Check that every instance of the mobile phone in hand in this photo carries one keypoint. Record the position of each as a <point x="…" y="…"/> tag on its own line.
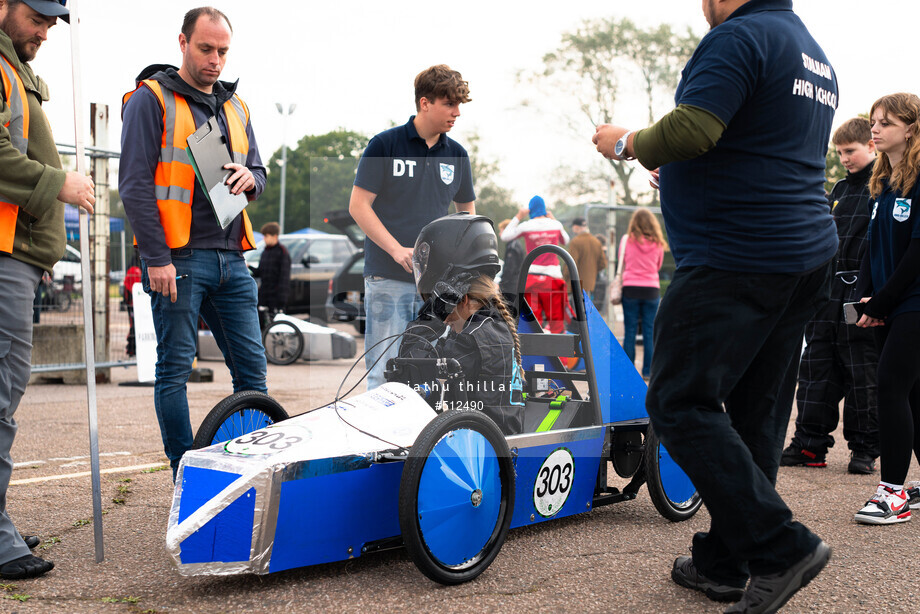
<point x="852" y="312"/>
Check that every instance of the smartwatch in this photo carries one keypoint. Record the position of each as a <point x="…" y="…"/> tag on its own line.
<point x="619" y="149"/>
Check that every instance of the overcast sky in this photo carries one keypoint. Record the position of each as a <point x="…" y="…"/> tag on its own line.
<point x="350" y="64"/>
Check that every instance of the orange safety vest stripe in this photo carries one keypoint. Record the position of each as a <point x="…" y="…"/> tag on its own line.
<point x="14" y="92"/>
<point x="174" y="178"/>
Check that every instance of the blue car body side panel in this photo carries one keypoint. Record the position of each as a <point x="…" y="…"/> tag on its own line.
<point x="320" y="518"/>
<point x="585" y="447"/>
<point x="233" y="524"/>
<point x="619" y="385"/>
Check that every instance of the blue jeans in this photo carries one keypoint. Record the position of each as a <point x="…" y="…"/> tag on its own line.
<point x="220" y="289"/>
<point x="390" y="306"/>
<point x="720" y="397"/>
<point x="635" y="309"/>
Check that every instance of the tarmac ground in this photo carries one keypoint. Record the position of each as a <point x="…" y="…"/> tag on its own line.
<point x="612" y="559"/>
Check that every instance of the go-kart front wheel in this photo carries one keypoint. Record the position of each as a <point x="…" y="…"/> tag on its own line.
<point x="283" y="342"/>
<point x="456" y="497"/>
<point x="674" y="495"/>
<point x="240" y="413"/>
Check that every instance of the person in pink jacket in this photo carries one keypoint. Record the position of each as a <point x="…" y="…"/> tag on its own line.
<point x="642" y="250"/>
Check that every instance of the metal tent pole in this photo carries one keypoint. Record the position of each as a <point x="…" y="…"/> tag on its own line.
<point x="88" y="344"/>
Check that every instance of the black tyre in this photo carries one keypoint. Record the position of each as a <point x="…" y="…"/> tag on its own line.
<point x="456" y="497"/>
<point x="674" y="495"/>
<point x="283" y="342"/>
<point x="238" y="414"/>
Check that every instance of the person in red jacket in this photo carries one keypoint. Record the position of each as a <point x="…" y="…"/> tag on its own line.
<point x="132" y="276"/>
<point x="545" y="289"/>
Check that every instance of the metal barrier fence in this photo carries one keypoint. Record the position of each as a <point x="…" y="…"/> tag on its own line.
<point x="58" y="307"/>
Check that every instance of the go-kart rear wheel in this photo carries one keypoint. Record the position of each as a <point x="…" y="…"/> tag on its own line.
<point x="674" y="495"/>
<point x="456" y="497"/>
<point x="238" y="414"/>
<point x="283" y="342"/>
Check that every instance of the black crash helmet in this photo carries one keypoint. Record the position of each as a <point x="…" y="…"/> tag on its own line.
<point x="454" y="244"/>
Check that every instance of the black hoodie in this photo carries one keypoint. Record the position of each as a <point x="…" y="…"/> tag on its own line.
<point x="849" y="202"/>
<point x="141" y="136"/>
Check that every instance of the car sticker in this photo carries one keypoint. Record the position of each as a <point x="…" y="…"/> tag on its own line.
<point x="554" y="482"/>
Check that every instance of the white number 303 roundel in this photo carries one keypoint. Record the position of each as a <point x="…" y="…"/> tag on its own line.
<point x="554" y="482"/>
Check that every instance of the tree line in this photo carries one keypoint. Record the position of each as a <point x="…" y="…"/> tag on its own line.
<point x="597" y="65"/>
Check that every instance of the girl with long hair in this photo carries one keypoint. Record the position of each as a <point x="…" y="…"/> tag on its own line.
<point x="466" y="317"/>
<point x="642" y="251"/>
<point x="891" y="303"/>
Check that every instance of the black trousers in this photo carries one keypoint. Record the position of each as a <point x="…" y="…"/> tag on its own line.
<point x="839" y="362"/>
<point x="725" y="347"/>
<point x="899" y="394"/>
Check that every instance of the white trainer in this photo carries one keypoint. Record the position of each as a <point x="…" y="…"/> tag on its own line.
<point x="886" y="507"/>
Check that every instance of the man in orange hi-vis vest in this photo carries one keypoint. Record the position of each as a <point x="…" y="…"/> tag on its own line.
<point x="190" y="266"/>
<point x="33" y="190"/>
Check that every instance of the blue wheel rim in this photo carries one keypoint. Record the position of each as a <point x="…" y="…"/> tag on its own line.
<point x="241" y="422"/>
<point x="461" y="469"/>
<point x="675" y="483"/>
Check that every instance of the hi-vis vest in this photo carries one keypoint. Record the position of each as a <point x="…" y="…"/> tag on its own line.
<point x="175" y="180"/>
<point x="15" y="94"/>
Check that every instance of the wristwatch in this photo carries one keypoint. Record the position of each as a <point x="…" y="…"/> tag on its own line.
<point x="619" y="149"/>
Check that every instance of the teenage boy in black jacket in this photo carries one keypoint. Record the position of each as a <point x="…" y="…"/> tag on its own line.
<point x="840" y="361"/>
<point x="274" y="270"/>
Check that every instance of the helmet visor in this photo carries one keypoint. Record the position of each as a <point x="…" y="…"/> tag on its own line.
<point x="420" y="260"/>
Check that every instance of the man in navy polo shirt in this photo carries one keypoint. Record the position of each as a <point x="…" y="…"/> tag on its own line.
<point x="741" y="172"/>
<point x="407" y="177"/>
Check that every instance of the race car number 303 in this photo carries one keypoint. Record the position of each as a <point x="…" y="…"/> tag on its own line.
<point x="554" y="482"/>
<point x="269" y="440"/>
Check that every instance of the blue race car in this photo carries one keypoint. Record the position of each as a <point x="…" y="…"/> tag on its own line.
<point x="383" y="469"/>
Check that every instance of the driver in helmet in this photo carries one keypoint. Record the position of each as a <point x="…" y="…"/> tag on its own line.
<point x="465" y="317"/>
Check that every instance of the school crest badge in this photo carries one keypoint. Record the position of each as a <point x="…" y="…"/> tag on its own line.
<point x="901" y="211"/>
<point x="447" y="173"/>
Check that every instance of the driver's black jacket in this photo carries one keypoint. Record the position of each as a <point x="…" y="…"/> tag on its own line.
<point x="485" y="350"/>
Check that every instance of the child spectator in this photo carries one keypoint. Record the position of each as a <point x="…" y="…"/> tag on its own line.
<point x="840" y="361"/>
<point x="892" y="272"/>
<point x="274" y="271"/>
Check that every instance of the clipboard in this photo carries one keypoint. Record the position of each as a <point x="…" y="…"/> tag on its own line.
<point x="207" y="151"/>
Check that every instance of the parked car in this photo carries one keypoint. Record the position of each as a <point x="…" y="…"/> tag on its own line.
<point x="68" y="266"/>
<point x="345" y="302"/>
<point x="315" y="257"/>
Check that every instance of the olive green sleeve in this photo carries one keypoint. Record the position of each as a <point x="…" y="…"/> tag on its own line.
<point x="684" y="133"/>
<point x="25" y="182"/>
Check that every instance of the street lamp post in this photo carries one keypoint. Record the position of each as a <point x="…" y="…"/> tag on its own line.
<point x="284" y="117"/>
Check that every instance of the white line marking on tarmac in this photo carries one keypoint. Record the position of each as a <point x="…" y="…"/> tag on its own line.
<point x="84" y="474"/>
<point x="101" y="454"/>
<point x="67" y="458"/>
